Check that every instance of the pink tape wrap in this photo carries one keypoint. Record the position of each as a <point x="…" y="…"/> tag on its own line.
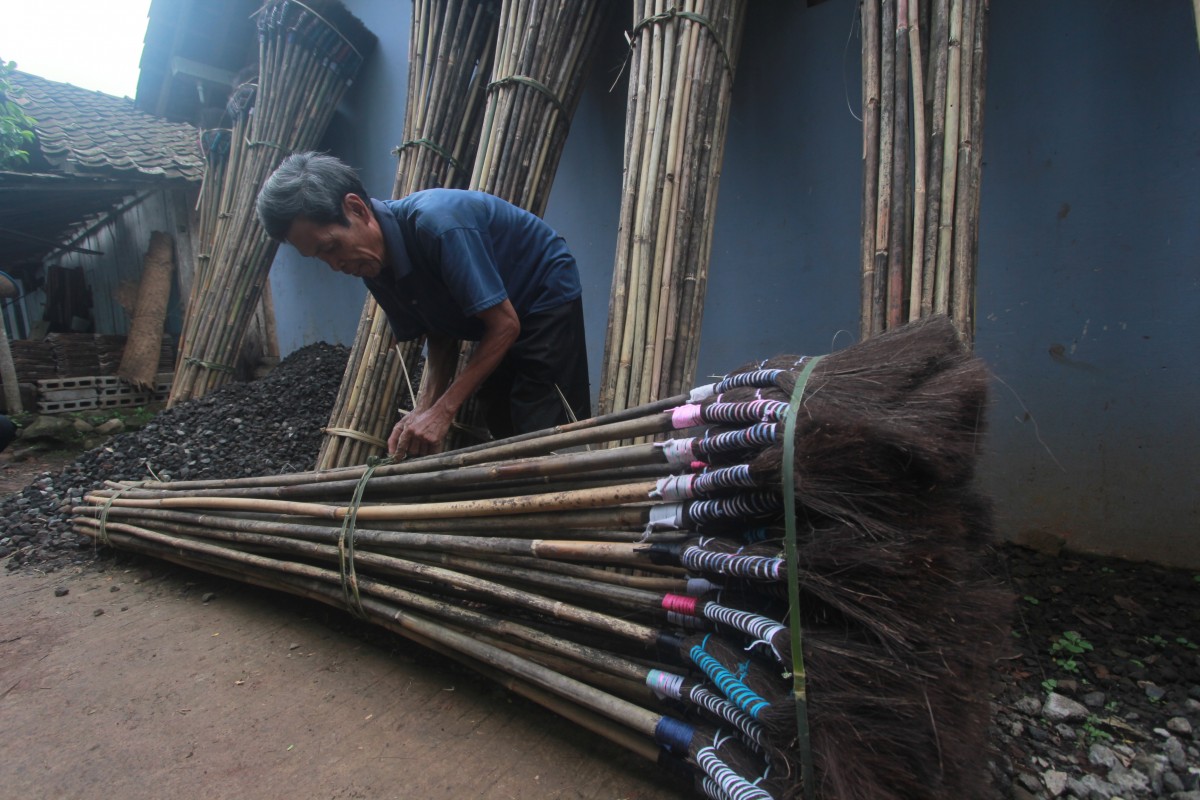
<point x="680" y="604"/>
<point x="686" y="416"/>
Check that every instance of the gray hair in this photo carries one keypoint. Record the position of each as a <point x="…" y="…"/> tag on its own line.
<point x="310" y="185"/>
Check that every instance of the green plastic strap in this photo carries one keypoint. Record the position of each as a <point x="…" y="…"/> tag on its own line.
<point x="265" y="143"/>
<point x="431" y="145"/>
<point x="675" y="13"/>
<point x="346" y="541"/>
<point x="799" y="689"/>
<point x="102" y="536"/>
<point x="199" y="362"/>
<point x="541" y="87"/>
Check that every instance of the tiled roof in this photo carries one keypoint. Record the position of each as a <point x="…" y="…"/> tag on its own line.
<point x="82" y="132"/>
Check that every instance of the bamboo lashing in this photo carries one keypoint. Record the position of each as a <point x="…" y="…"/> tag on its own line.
<point x="681" y="70"/>
<point x="451" y="49"/>
<point x="922" y="97"/>
<point x="640" y="590"/>
<point x="308" y="56"/>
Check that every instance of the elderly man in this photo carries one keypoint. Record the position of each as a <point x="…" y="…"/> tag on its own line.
<point x="448" y="264"/>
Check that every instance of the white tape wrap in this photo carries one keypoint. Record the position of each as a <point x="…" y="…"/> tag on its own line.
<point x="668" y="516"/>
<point x="674" y="487"/>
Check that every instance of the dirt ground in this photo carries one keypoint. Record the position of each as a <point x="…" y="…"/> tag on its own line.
<point x="150" y="681"/>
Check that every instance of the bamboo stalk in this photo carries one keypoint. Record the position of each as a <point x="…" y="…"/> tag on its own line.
<point x="970" y="161"/>
<point x="897" y="257"/>
<point x="941" y="289"/>
<point x="920" y="162"/>
<point x="887" y="130"/>
<point x="939" y="56"/>
<point x="871" y="126"/>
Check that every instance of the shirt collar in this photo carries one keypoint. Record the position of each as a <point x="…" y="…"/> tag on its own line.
<point x="393" y="239"/>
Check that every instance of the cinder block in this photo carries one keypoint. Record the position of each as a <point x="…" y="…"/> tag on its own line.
<point x="64" y="406"/>
<point x="66" y="395"/>
<point x="57" y="384"/>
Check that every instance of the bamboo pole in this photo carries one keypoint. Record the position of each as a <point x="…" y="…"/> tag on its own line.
<point x="939" y="56"/>
<point x="941" y="288"/>
<point x="887" y="132"/>
<point x="1196" y="15"/>
<point x="897" y="257"/>
<point x="920" y="161"/>
<point x="966" y="231"/>
<point x="871" y="127"/>
<point x="8" y="374"/>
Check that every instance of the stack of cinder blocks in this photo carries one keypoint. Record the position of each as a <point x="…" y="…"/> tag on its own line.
<point x="62" y="395"/>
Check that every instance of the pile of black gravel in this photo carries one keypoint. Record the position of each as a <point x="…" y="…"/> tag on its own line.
<point x="265" y="427"/>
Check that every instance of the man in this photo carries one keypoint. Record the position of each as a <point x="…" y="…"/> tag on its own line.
<point x="448" y="264"/>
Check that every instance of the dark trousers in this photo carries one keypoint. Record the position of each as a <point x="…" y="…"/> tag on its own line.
<point x="520" y="396"/>
<point x="8" y="432"/>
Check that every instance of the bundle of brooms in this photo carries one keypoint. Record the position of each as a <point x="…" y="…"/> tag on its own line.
<point x="781" y="598"/>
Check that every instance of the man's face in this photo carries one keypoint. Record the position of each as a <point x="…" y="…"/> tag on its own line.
<point x="356" y="249"/>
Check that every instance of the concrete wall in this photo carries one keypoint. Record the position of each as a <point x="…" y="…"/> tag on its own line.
<point x="1088" y="298"/>
<point x="1089" y="262"/>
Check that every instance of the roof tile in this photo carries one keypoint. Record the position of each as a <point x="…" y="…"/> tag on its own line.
<point x="81" y="130"/>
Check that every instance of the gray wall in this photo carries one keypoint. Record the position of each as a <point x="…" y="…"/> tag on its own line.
<point x="1089" y="306"/>
<point x="121" y="241"/>
<point x="1088" y="293"/>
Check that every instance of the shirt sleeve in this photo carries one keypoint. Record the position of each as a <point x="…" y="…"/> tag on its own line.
<point x="468" y="266"/>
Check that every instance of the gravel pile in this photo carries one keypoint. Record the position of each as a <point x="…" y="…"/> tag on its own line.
<point x="1098" y="698"/>
<point x="265" y="427"/>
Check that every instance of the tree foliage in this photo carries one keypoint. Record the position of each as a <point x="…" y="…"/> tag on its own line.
<point x="16" y="127"/>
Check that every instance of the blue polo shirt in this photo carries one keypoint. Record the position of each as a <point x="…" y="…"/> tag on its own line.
<point x="453" y="253"/>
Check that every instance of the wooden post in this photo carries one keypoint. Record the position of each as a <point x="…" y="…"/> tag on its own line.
<point x="8" y="374"/>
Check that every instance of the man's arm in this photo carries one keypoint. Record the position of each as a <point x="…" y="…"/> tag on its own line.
<point x="424" y="430"/>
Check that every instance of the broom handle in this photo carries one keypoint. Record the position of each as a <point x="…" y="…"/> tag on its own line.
<point x="553" y="501"/>
<point x="481" y="475"/>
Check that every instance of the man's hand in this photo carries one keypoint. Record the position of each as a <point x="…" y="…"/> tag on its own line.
<point x="423" y="430"/>
<point x="420" y="433"/>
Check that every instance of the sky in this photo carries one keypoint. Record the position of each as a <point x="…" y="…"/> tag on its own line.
<point x="93" y="44"/>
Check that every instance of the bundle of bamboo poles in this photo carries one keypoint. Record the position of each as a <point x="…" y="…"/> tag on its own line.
<point x="682" y="65"/>
<point x="308" y="55"/>
<point x="543" y="51"/>
<point x="922" y="159"/>
<point x="784" y="598"/>
<point x="451" y="48"/>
